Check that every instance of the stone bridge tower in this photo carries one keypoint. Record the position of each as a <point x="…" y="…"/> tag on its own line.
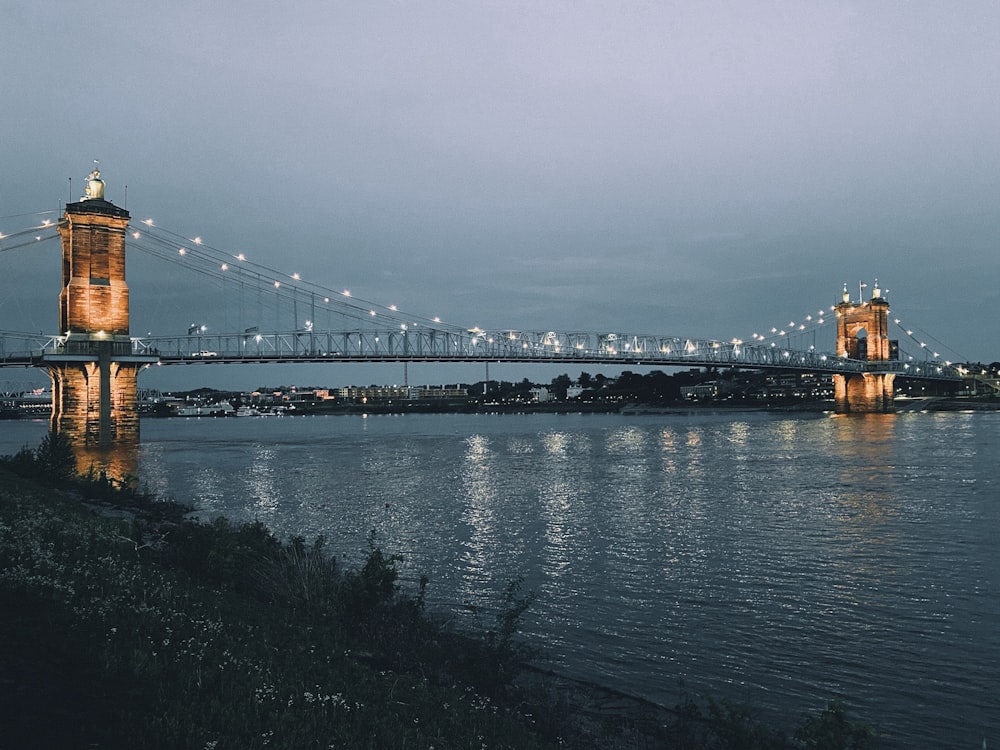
<point x="93" y="368"/>
<point x="863" y="333"/>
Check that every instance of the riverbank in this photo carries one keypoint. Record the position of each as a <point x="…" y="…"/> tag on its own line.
<point x="794" y="406"/>
<point x="129" y="626"/>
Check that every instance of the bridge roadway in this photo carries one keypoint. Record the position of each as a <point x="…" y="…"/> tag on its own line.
<point x="422" y="344"/>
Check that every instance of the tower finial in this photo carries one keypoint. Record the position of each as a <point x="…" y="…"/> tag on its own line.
<point x="846" y="297"/>
<point x="876" y="292"/>
<point x="95" y="185"/>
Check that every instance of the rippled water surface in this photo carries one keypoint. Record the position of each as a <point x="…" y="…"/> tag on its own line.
<point x="782" y="561"/>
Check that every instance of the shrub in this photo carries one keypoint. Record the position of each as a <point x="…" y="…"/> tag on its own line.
<point x="54" y="456"/>
<point x="374" y="585"/>
<point x="221" y="552"/>
<point x="832" y="731"/>
<point x="301" y="576"/>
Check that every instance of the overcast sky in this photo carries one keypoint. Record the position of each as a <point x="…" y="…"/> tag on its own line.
<point x="703" y="169"/>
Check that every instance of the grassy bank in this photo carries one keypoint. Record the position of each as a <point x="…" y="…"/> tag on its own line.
<point x="131" y="627"/>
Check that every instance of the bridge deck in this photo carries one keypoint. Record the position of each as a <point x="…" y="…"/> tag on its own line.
<point x="432" y="345"/>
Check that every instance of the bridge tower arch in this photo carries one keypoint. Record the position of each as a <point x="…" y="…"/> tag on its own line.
<point x="863" y="333"/>
<point x="93" y="370"/>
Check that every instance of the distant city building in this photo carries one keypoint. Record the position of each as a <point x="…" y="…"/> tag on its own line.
<point x="364" y="394"/>
<point x="440" y="392"/>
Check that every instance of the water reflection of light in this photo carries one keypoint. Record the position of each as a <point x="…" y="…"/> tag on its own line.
<point x="693" y="441"/>
<point x="555" y="443"/>
<point x="262" y="481"/>
<point x="668" y="450"/>
<point x="787" y="430"/>
<point x="864" y="501"/>
<point x="739" y="433"/>
<point x="208" y="486"/>
<point x="479" y="484"/>
<point x="120" y="462"/>
<point x="626" y="440"/>
<point x="558" y="483"/>
<point x="479" y="447"/>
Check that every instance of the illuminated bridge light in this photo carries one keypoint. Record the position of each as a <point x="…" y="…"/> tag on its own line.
<point x="181" y="251"/>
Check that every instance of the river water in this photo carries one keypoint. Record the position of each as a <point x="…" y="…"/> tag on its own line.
<point x="778" y="560"/>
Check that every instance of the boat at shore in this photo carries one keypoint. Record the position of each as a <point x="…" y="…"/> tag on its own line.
<point x="252" y="411"/>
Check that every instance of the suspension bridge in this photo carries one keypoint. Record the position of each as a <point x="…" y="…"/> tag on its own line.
<point x="280" y="317"/>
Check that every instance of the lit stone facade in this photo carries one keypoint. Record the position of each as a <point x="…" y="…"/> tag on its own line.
<point x="94" y="296"/>
<point x="869" y="391"/>
<point x="93" y="370"/>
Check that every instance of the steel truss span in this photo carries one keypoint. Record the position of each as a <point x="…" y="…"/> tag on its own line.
<point x="422" y="344"/>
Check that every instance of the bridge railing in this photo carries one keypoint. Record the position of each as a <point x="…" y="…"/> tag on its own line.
<point x="477" y="345"/>
<point x="20" y="348"/>
<point x="927" y="369"/>
<point x="444" y="345"/>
